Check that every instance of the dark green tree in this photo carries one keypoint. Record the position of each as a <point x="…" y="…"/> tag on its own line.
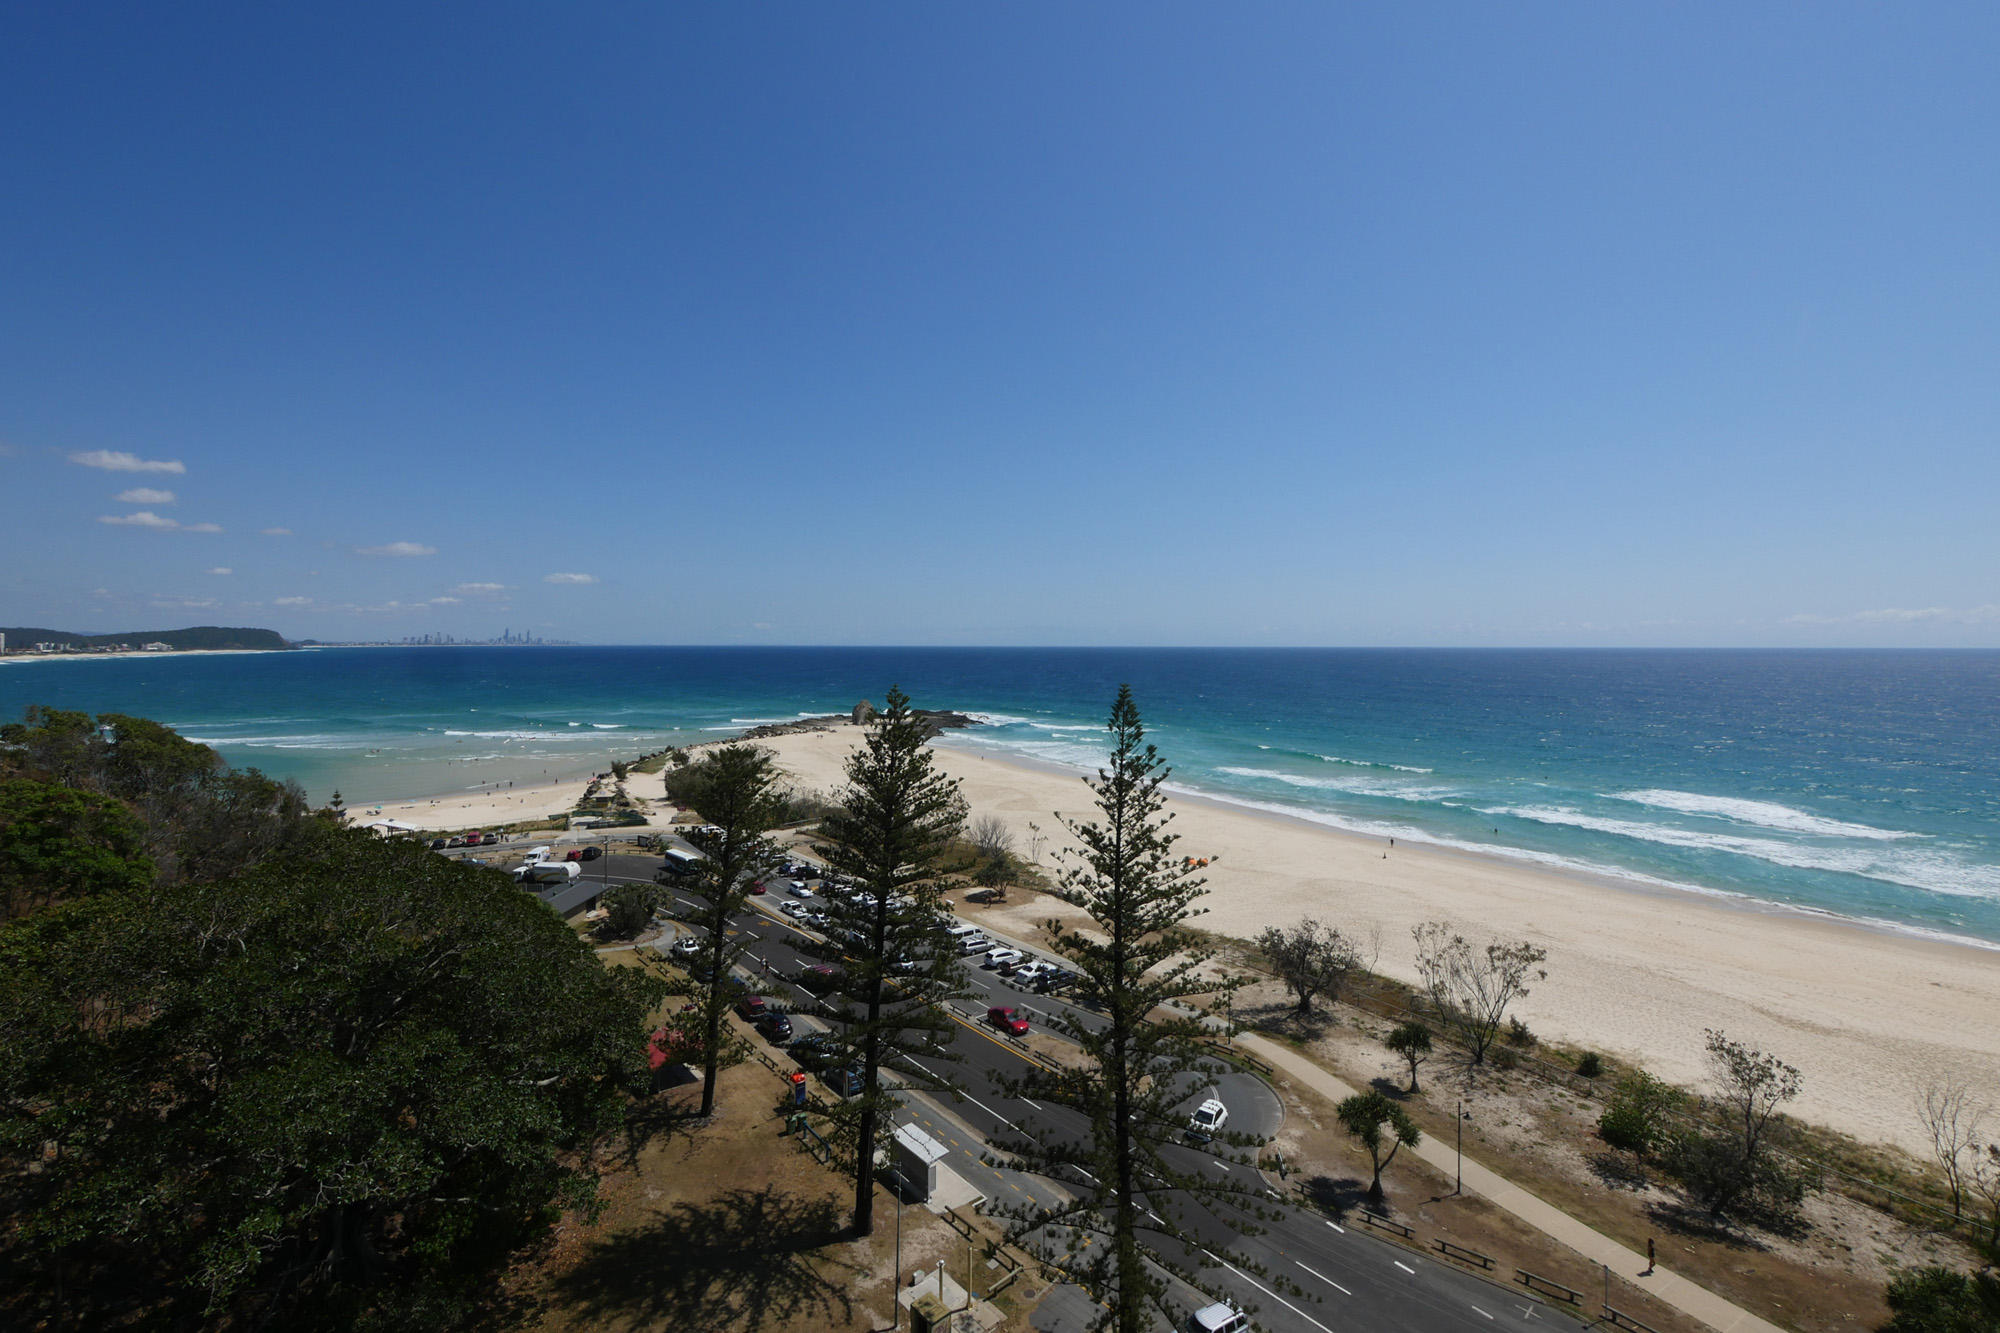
<point x="893" y="822"/>
<point x="1147" y="979"/>
<point x="1311" y="959"/>
<point x="1412" y="1041"/>
<point x="629" y="908"/>
<point x="1943" y="1300"/>
<point x="1730" y="1165"/>
<point x="1638" y="1116"/>
<point x="1376" y="1122"/>
<point x="735" y="789"/>
<point x="335" y="1092"/>
<point x="58" y="844"/>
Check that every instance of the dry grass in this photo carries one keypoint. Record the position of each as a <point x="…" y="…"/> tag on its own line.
<point x="723" y="1226"/>
<point x="1829" y="1275"/>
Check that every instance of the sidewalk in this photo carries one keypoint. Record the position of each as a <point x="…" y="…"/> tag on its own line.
<point x="1719" y="1314"/>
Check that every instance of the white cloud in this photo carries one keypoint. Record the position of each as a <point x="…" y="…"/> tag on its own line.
<point x="142" y="519"/>
<point x="186" y="603"/>
<point x="480" y="589"/>
<point x="222" y="569"/>
<point x="569" y="578"/>
<point x="109" y="460"/>
<point x="146" y="518"/>
<point x="397" y="548"/>
<point x="292" y="601"/>
<point x="274" y="532"/>
<point x="1897" y="615"/>
<point x="145" y="495"/>
<point x="444" y="601"/>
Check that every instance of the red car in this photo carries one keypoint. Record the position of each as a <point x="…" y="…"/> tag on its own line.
<point x="756" y="886"/>
<point x="1002" y="1016"/>
<point x="751" y="1007"/>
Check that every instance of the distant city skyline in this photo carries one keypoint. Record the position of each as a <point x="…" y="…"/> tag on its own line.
<point x="1439" y="325"/>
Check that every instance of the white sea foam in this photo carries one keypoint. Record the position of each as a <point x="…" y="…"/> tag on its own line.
<point x="1931" y="870"/>
<point x="1764" y="814"/>
<point x="1364" y="763"/>
<point x="1357" y="786"/>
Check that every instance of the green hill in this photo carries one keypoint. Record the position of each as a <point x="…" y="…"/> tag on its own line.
<point x="200" y="636"/>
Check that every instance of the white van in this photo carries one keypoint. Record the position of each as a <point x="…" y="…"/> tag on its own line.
<point x="538" y="854"/>
<point x="547" y="872"/>
<point x="960" y="931"/>
<point x="1218" y="1318"/>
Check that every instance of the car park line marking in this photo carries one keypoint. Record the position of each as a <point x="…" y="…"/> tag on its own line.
<point x="1342" y="1230"/>
<point x="1324" y="1278"/>
<point x="1477" y="1310"/>
<point x="1266" y="1290"/>
<point x="1405" y="1267"/>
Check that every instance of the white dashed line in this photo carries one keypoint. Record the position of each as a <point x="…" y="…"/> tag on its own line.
<point x="1266" y="1290"/>
<point x="1405" y="1267"/>
<point x="1329" y="1281"/>
<point x="1477" y="1310"/>
<point x="1342" y="1230"/>
<point x="1031" y="1103"/>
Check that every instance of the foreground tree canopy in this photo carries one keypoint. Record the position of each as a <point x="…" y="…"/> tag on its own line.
<point x="333" y="1086"/>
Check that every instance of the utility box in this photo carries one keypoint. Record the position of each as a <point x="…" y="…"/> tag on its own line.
<point x="917" y="1158"/>
<point x="928" y="1314"/>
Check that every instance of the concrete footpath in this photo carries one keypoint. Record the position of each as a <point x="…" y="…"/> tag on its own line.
<point x="1668" y="1286"/>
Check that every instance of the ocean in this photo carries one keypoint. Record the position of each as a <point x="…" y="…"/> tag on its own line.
<point x="1864" y="784"/>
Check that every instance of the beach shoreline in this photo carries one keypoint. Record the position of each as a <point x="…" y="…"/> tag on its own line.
<point x="1636" y="970"/>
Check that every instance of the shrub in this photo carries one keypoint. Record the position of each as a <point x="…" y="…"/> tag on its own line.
<point x="1635" y="1120"/>
<point x="1940" y="1300"/>
<point x="1590" y="1064"/>
<point x="1518" y="1033"/>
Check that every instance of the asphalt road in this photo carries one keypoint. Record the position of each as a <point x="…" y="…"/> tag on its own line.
<point x="1351" y="1280"/>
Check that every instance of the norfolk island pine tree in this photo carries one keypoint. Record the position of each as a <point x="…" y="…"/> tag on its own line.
<point x="1135" y="1070"/>
<point x="896" y="816"/>
<point x="737" y="796"/>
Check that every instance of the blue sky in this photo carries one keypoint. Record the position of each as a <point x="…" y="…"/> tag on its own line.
<point x="1474" y="324"/>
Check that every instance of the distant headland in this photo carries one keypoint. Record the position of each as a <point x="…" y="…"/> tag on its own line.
<point x="26" y="641"/>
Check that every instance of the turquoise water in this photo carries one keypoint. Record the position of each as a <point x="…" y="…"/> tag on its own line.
<point x="1860" y="783"/>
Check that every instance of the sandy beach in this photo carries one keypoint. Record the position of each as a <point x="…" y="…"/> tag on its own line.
<point x="1867" y="1015"/>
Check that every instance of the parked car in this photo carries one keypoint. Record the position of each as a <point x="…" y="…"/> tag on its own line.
<point x="792" y="910"/>
<point x="846" y="1081"/>
<point x="1060" y="979"/>
<point x="799" y="889"/>
<point x="820" y="977"/>
<point x="438" y="844"/>
<point x="1027" y="974"/>
<point x="590" y="853"/>
<point x="973" y="944"/>
<point x="756" y="886"/>
<point x="816" y="917"/>
<point x="1008" y="1020"/>
<point x="454" y="842"/>
<point x="813" y="1052"/>
<point x="687" y="946"/>
<point x="1001" y="957"/>
<point x="777" y="1028"/>
<point x="751" y="1007"/>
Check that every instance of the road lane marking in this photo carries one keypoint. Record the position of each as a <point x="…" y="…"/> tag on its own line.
<point x="1405" y="1267"/>
<point x="1477" y="1310"/>
<point x="1266" y="1290"/>
<point x="1033" y="1104"/>
<point x="1340" y="1229"/>
<point x="1329" y="1281"/>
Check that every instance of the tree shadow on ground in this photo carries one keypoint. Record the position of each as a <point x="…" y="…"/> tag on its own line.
<point x="1694" y="1222"/>
<point x="1285" y="1021"/>
<point x="749" y="1258"/>
<point x="1339" y="1195"/>
<point x="1618" y="1170"/>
